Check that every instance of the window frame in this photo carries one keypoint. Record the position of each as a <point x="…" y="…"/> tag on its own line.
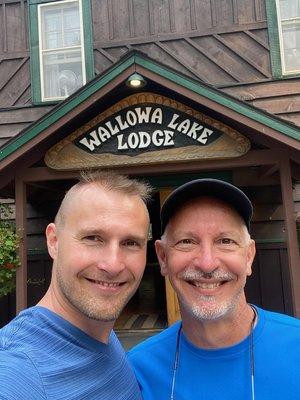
<point x="275" y="40"/>
<point x="35" y="51"/>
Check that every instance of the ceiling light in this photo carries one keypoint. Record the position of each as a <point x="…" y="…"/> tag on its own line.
<point x="136" y="81"/>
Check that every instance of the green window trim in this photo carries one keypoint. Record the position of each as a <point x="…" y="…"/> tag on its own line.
<point x="273" y="32"/>
<point x="34" y="48"/>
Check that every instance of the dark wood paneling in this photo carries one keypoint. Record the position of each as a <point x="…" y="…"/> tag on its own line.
<point x="222" y="42"/>
<point x="15" y="81"/>
<point x="9" y="130"/>
<point x="294" y="118"/>
<point x="14" y="120"/>
<point x="28" y="114"/>
<point x="7" y="308"/>
<point x="39" y="276"/>
<point x="14" y="28"/>
<point x="278" y="105"/>
<point x="116" y="19"/>
<point x="269" y="285"/>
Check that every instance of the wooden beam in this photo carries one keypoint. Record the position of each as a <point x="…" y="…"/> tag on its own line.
<point x="291" y="232"/>
<point x="173" y="311"/>
<point x="255" y="157"/>
<point x="268" y="170"/>
<point x="21" y="228"/>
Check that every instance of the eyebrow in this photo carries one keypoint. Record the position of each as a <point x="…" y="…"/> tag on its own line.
<point x="100" y="232"/>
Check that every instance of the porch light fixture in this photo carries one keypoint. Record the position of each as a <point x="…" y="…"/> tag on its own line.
<point x="135" y="81"/>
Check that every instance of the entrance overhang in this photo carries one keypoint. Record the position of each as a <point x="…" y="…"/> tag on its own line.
<point x="275" y="144"/>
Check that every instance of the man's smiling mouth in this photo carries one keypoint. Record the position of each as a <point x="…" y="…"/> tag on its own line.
<point x="106" y="284"/>
<point x="206" y="285"/>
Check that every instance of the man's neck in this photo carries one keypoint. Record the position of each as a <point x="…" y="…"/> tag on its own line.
<point x="223" y="332"/>
<point x="98" y="330"/>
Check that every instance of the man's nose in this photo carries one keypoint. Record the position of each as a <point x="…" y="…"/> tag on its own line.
<point x="111" y="260"/>
<point x="205" y="259"/>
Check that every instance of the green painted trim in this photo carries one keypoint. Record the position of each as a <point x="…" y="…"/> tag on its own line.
<point x="34" y="48"/>
<point x="63" y="108"/>
<point x="274" y="41"/>
<point x="34" y="55"/>
<point x="33" y="2"/>
<point x="88" y="39"/>
<point x="220" y="98"/>
<point x="274" y="38"/>
<point x="138" y="59"/>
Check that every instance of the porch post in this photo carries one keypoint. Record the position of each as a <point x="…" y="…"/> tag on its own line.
<point x="21" y="229"/>
<point x="291" y="233"/>
<point x="173" y="311"/>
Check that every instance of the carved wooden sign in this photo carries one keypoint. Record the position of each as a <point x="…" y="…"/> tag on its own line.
<point x="144" y="129"/>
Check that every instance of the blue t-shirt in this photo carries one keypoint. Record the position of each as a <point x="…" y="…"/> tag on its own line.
<point x="223" y="373"/>
<point x="43" y="356"/>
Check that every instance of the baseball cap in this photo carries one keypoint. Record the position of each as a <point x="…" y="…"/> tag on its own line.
<point x="225" y="191"/>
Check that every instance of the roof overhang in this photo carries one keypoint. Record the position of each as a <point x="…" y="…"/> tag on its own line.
<point x="27" y="147"/>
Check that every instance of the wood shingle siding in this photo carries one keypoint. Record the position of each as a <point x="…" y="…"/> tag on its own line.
<point x="221" y="42"/>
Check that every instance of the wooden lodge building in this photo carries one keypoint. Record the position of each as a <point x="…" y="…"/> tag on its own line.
<point x="219" y="96"/>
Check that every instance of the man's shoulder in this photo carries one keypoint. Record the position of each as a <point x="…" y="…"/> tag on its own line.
<point x="280" y="319"/>
<point x="21" y="331"/>
<point x="18" y="376"/>
<point x="156" y="343"/>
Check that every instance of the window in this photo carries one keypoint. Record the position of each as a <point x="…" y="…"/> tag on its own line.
<point x="284" y="35"/>
<point x="288" y="14"/>
<point x="61" y="53"/>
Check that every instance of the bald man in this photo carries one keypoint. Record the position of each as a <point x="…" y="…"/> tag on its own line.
<point x="65" y="347"/>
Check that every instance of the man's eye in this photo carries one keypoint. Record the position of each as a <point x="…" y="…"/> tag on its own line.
<point x="227" y="241"/>
<point x="185" y="241"/>
<point x="93" y="238"/>
<point x="131" y="243"/>
<point x="185" y="244"/>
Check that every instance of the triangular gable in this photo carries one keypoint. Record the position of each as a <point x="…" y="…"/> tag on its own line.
<point x="135" y="61"/>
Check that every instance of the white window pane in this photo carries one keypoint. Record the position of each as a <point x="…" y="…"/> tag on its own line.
<point x="60" y="25"/>
<point x="289" y="8"/>
<point x="291" y="42"/>
<point x="71" y="18"/>
<point x="52" y="19"/>
<point x="72" y="38"/>
<point x="62" y="74"/>
<point x="53" y="40"/>
<point x="51" y="28"/>
<point x="61" y="52"/>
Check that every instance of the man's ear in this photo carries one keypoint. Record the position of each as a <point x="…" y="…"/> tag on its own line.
<point x="161" y="255"/>
<point x="52" y="242"/>
<point x="251" y="251"/>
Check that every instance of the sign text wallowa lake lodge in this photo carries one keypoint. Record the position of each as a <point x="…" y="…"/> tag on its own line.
<point x="146" y="128"/>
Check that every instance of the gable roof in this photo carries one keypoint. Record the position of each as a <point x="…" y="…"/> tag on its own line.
<point x="135" y="61"/>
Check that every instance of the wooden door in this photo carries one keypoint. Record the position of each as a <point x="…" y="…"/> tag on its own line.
<point x="173" y="311"/>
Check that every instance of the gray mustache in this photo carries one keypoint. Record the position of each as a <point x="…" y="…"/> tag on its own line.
<point x="191" y="274"/>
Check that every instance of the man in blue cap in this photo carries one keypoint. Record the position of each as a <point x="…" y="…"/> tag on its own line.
<point x="224" y="348"/>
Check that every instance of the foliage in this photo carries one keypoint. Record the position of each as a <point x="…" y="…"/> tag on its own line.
<point x="9" y="243"/>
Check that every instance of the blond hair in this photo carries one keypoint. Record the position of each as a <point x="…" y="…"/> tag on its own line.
<point x="110" y="181"/>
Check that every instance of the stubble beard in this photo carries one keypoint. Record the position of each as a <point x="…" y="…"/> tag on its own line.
<point x="90" y="306"/>
<point x="208" y="307"/>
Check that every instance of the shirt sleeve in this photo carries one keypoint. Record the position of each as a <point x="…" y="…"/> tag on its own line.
<point x="19" y="378"/>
